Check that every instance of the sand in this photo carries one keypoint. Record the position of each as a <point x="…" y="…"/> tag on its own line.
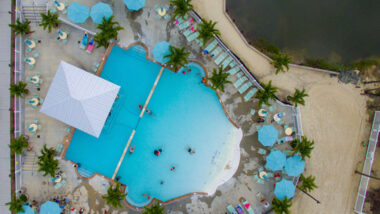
<point x="334" y="116"/>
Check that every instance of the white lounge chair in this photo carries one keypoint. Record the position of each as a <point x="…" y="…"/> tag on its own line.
<point x="250" y="94"/>
<point x="220" y="58"/>
<point x="240" y="81"/>
<point x="245" y="87"/>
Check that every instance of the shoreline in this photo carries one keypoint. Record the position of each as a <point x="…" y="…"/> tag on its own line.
<point x="322" y="117"/>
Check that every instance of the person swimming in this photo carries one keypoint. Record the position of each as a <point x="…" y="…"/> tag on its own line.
<point x="190" y="150"/>
<point x="140" y="107"/>
<point x="157" y="152"/>
<point x="204" y="80"/>
<point x="132" y="149"/>
<point x="173" y="168"/>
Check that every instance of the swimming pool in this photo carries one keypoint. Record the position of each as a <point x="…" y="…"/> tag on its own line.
<point x="185" y="114"/>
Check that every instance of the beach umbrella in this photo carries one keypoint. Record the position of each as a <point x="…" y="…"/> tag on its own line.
<point x="134" y="4"/>
<point x="268" y="135"/>
<point x="50" y="207"/>
<point x="284" y="188"/>
<point x="78" y="13"/>
<point x="160" y="50"/>
<point x="275" y="160"/>
<point x="100" y="10"/>
<point x="27" y="210"/>
<point x="294" y="165"/>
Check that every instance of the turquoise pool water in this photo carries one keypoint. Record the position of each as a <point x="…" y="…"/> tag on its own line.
<point x="185" y="113"/>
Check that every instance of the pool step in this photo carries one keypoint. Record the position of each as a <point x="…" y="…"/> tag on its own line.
<point x="138" y="49"/>
<point x="85" y="172"/>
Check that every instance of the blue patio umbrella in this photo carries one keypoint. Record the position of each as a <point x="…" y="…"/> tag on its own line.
<point x="294" y="165"/>
<point x="100" y="10"/>
<point x="284" y="188"/>
<point x="50" y="207"/>
<point x="268" y="135"/>
<point x="160" y="50"/>
<point x="78" y="13"/>
<point x="275" y="160"/>
<point x="134" y="4"/>
<point x="27" y="210"/>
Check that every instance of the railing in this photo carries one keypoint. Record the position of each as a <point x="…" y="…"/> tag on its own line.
<point x="295" y="111"/>
<point x="18" y="102"/>
<point x="76" y="26"/>
<point x="364" y="180"/>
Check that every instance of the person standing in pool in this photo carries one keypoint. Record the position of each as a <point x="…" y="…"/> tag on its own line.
<point x="172" y="168"/>
<point x="149" y="112"/>
<point x="157" y="152"/>
<point x="190" y="150"/>
<point x="140" y="106"/>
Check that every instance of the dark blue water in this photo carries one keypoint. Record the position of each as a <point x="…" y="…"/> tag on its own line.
<point x="340" y="30"/>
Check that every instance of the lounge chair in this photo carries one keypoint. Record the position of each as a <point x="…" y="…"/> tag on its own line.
<point x="231" y="209"/>
<point x="232" y="64"/>
<point x="53" y="10"/>
<point x="260" y="181"/>
<point x="90" y="46"/>
<point x="211" y="46"/>
<point x="180" y="20"/>
<point x="232" y="71"/>
<point x="220" y="58"/>
<point x="84" y="42"/>
<point x="252" y="112"/>
<point x="192" y="36"/>
<point x="240" y="209"/>
<point x="262" y="151"/>
<point x="59" y="148"/>
<point x="215" y="52"/>
<point x="35" y="120"/>
<point x="247" y="206"/>
<point x="188" y="32"/>
<point x="58" y="185"/>
<point x="240" y="74"/>
<point x="31" y="66"/>
<point x="271" y="108"/>
<point x="250" y="94"/>
<point x="245" y="87"/>
<point x="166" y="16"/>
<point x="281" y="140"/>
<point x="240" y="81"/>
<point x="226" y="62"/>
<point x="36" y="54"/>
<point x="184" y="25"/>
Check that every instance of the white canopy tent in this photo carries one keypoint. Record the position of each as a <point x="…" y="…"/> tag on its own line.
<point x="79" y="99"/>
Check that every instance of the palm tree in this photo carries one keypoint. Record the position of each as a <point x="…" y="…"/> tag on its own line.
<point x="49" y="20"/>
<point x="280" y="61"/>
<point x="19" y="89"/>
<point x="307" y="185"/>
<point x="154" y="209"/>
<point x="177" y="57"/>
<point x="207" y="31"/>
<point x="109" y="30"/>
<point x="266" y="94"/>
<point x="219" y="79"/>
<point x="281" y="206"/>
<point x="19" y="144"/>
<point x="15" y="205"/>
<point x="46" y="161"/>
<point x="298" y="97"/>
<point x="21" y="28"/>
<point x="182" y="7"/>
<point x="304" y="147"/>
<point x="114" y="196"/>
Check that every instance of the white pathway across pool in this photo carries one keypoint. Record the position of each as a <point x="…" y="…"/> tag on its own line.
<point x="5" y="33"/>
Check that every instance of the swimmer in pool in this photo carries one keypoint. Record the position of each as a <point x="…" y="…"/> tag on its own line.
<point x="190" y="150"/>
<point x="172" y="168"/>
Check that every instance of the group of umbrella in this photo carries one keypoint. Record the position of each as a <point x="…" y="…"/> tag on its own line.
<point x="46" y="208"/>
<point x="79" y="13"/>
<point x="276" y="161"/>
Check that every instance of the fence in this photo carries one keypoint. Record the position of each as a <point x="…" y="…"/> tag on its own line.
<point x="364" y="180"/>
<point x="18" y="102"/>
<point x="295" y="111"/>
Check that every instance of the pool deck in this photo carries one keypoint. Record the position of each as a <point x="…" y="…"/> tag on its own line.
<point x="144" y="27"/>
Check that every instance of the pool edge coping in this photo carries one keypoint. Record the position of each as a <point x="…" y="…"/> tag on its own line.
<point x="67" y="139"/>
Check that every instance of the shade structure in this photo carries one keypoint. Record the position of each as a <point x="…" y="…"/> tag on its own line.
<point x="134" y="4"/>
<point x="27" y="210"/>
<point x="284" y="188"/>
<point x="294" y="165"/>
<point x="50" y="207"/>
<point x="275" y="160"/>
<point x="160" y="50"/>
<point x="268" y="135"/>
<point x="100" y="10"/>
<point x="78" y="13"/>
<point x="79" y="99"/>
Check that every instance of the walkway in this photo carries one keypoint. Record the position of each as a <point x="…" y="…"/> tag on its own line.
<point x="5" y="38"/>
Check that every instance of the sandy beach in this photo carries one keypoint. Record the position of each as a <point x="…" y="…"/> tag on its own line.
<point x="334" y="116"/>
